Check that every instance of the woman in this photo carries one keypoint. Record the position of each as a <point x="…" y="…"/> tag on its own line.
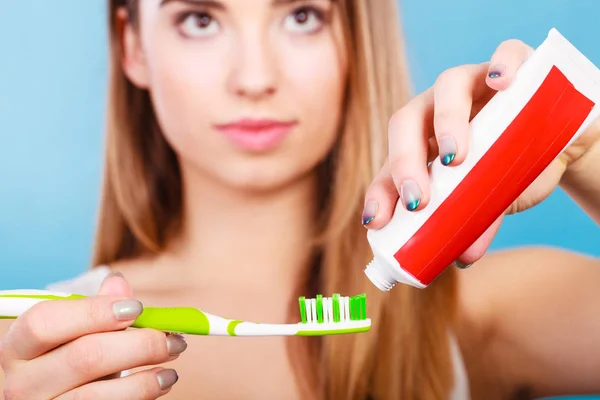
<point x="243" y="137"/>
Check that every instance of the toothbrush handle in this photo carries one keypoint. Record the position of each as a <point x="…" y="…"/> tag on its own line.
<point x="13" y="303"/>
<point x="181" y="320"/>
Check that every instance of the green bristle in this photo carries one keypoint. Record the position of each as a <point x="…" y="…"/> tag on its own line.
<point x="302" y="304"/>
<point x="363" y="306"/>
<point x="336" y="307"/>
<point x="320" y="308"/>
<point x="358" y="307"/>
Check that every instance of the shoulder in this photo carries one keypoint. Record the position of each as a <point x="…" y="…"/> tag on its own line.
<point x="519" y="272"/>
<point x="87" y="283"/>
<point x="507" y="291"/>
<point x="528" y="275"/>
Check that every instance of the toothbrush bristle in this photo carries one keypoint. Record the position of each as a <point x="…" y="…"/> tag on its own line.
<point x="333" y="309"/>
<point x="302" y="303"/>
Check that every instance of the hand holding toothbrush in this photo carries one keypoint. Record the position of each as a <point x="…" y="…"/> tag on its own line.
<point x="69" y="349"/>
<point x="437" y="123"/>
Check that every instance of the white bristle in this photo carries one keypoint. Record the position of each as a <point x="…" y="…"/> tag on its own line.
<point x="312" y="316"/>
<point x="329" y="309"/>
<point x="308" y="310"/>
<point x="346" y="309"/>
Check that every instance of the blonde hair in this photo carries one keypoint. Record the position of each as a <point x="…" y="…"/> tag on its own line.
<point x="406" y="355"/>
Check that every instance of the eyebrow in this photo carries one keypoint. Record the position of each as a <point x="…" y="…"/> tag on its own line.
<point x="205" y="3"/>
<point x="283" y="2"/>
<point x="219" y="5"/>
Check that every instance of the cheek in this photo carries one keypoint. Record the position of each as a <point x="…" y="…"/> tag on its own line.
<point x="186" y="81"/>
<point x="315" y="75"/>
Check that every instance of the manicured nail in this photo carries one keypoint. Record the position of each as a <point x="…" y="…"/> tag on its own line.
<point x="461" y="266"/>
<point x="369" y="212"/>
<point x="126" y="310"/>
<point x="496" y="71"/>
<point x="110" y="275"/>
<point x="411" y="194"/>
<point x="167" y="378"/>
<point x="447" y="146"/>
<point x="176" y="344"/>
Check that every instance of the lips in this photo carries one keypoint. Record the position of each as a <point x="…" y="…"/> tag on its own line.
<point x="256" y="134"/>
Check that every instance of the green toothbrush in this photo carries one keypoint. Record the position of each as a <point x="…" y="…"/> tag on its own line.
<point x="319" y="316"/>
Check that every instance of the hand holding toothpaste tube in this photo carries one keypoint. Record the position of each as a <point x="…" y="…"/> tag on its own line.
<point x="439" y="125"/>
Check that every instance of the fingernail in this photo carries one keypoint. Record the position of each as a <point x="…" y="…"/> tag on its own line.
<point x="113" y="273"/>
<point x="126" y="310"/>
<point x="447" y="147"/>
<point x="369" y="212"/>
<point x="496" y="71"/>
<point x="462" y="266"/>
<point x="167" y="378"/>
<point x="176" y="344"/>
<point x="411" y="194"/>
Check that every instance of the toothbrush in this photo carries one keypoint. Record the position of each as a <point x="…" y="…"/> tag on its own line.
<point x="319" y="316"/>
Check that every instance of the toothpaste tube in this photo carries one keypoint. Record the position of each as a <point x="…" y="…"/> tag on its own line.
<point x="550" y="103"/>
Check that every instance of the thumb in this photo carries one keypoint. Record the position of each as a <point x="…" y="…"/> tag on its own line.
<point x="114" y="284"/>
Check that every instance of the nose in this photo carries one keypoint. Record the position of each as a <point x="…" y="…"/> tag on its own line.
<point x="254" y="75"/>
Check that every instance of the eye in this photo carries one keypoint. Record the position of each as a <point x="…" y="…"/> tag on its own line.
<point x="198" y="24"/>
<point x="304" y="20"/>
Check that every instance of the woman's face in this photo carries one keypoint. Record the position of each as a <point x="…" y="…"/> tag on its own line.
<point x="249" y="92"/>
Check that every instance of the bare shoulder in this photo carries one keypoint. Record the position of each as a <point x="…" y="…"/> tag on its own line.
<point x="509" y="298"/>
<point x="523" y="272"/>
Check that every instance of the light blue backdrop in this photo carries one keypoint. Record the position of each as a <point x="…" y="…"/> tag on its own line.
<point x="52" y="86"/>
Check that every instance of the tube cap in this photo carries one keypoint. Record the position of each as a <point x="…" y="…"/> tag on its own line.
<point x="380" y="276"/>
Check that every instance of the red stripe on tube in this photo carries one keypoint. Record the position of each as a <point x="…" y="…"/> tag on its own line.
<point x="529" y="144"/>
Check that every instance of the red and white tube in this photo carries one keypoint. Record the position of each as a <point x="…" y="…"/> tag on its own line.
<point x="550" y="103"/>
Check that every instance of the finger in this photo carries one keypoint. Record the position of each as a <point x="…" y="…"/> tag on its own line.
<point x="480" y="247"/>
<point x="409" y="131"/>
<point x="380" y="200"/>
<point x="143" y="385"/>
<point x="382" y="196"/>
<point x="454" y="93"/>
<point x="114" y="284"/>
<point x="51" y="323"/>
<point x="94" y="356"/>
<point x="505" y="62"/>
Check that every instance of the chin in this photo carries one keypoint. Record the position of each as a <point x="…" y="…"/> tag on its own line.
<point x="263" y="177"/>
<point x="292" y="164"/>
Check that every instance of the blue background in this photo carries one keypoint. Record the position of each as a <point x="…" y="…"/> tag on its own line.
<point x="52" y="91"/>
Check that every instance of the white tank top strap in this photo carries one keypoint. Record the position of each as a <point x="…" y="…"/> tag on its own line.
<point x="87" y="283"/>
<point x="460" y="390"/>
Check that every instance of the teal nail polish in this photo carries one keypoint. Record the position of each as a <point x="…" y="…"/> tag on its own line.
<point x="368" y="220"/>
<point x="448" y="149"/>
<point x="448" y="158"/>
<point x="461" y="266"/>
<point x="413" y="205"/>
<point x="369" y="212"/>
<point x="496" y="71"/>
<point x="410" y="192"/>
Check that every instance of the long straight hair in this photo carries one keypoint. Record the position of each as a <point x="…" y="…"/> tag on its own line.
<point x="406" y="355"/>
